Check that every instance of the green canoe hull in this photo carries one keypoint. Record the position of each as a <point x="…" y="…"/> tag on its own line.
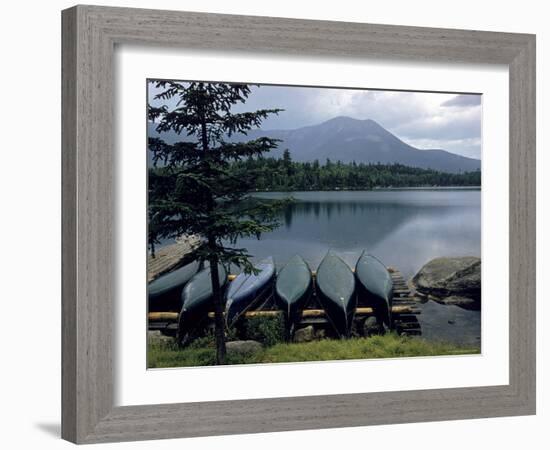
<point x="247" y="291"/>
<point x="293" y="289"/>
<point x="375" y="286"/>
<point x="197" y="300"/>
<point x="164" y="293"/>
<point x="335" y="285"/>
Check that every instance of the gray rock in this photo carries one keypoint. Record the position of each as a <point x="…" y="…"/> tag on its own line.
<point x="452" y="281"/>
<point x="306" y="334"/>
<point x="457" y="300"/>
<point x="156" y="337"/>
<point x="243" y="347"/>
<point x="371" y="327"/>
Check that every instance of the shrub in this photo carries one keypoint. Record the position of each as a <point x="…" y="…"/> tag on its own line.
<point x="267" y="330"/>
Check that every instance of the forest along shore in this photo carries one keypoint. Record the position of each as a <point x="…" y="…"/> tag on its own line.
<point x="287" y="175"/>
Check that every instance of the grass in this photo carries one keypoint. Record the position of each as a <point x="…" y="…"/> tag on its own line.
<point x="202" y="351"/>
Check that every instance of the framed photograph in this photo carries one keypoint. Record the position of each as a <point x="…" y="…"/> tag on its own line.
<point x="265" y="229"/>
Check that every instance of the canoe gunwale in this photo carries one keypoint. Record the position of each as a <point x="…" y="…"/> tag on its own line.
<point x="257" y="299"/>
<point x="254" y="296"/>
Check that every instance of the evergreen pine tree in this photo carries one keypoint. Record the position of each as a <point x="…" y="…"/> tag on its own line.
<point x="192" y="189"/>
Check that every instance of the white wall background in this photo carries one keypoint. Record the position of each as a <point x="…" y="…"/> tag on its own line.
<point x="31" y="208"/>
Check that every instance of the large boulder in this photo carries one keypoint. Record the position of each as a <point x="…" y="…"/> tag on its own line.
<point x="451" y="281"/>
<point x="243" y="347"/>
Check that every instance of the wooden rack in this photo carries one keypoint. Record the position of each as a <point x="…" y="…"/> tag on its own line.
<point x="404" y="311"/>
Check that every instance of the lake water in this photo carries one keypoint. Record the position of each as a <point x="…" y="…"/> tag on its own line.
<point x="403" y="228"/>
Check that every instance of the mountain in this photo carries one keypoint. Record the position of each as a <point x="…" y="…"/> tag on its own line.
<point x="347" y="140"/>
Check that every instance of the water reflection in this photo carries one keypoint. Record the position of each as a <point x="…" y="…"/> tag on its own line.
<point x="403" y="228"/>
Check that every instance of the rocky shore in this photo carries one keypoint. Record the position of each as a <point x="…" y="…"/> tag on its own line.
<point x="450" y="281"/>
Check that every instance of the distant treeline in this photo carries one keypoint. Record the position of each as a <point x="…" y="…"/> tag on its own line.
<point x="287" y="175"/>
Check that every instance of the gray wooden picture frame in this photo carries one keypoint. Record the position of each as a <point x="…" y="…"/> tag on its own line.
<point x="90" y="34"/>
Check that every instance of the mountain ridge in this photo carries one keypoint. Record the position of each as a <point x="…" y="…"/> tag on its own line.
<point x="348" y="139"/>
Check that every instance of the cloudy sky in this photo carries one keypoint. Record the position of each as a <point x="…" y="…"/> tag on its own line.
<point x="424" y="120"/>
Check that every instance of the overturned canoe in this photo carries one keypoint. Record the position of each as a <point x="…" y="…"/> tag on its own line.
<point x="293" y="289"/>
<point x="375" y="286"/>
<point x="336" y="292"/>
<point x="164" y="293"/>
<point x="248" y="290"/>
<point x="197" y="299"/>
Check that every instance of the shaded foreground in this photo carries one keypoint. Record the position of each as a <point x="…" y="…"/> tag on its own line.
<point x="203" y="353"/>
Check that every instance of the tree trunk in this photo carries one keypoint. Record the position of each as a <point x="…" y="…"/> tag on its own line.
<point x="219" y="326"/>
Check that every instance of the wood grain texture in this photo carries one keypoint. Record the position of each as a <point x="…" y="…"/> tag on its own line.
<point x="89" y="36"/>
<point x="68" y="225"/>
<point x="171" y="256"/>
<point x="522" y="187"/>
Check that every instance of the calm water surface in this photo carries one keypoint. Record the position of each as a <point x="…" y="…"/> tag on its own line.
<point x="403" y="228"/>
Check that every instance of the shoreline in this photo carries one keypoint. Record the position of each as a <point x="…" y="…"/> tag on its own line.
<point x="378" y="189"/>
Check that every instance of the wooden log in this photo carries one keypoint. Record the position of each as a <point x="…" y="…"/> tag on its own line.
<point x="405" y="302"/>
<point x="314" y="321"/>
<point x="321" y="312"/>
<point x="163" y="316"/>
<point x="173" y="316"/>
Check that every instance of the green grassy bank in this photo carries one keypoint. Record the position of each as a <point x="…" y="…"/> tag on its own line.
<point x="202" y="351"/>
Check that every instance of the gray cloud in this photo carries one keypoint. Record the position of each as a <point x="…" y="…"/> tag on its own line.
<point x="447" y="121"/>
<point x="466" y="124"/>
<point x="463" y="100"/>
<point x="465" y="147"/>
